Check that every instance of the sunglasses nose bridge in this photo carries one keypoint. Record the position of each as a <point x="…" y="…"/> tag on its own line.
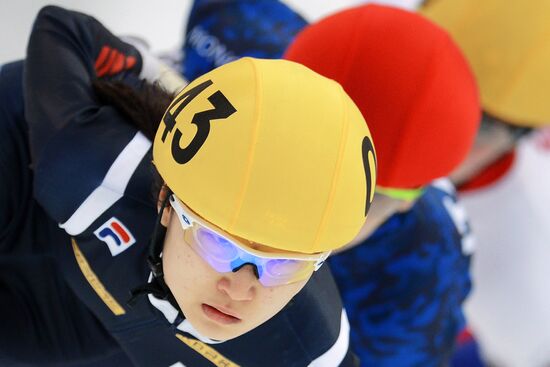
<point x="254" y="268"/>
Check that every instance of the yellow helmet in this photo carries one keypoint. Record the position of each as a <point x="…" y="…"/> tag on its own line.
<point x="508" y="45"/>
<point x="272" y="152"/>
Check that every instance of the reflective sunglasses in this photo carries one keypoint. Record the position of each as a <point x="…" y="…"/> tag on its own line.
<point x="225" y="253"/>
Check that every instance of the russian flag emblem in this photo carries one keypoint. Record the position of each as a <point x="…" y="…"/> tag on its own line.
<point x="115" y="234"/>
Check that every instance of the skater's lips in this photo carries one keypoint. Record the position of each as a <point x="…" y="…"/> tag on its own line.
<point x="227" y="311"/>
<point x="220" y="314"/>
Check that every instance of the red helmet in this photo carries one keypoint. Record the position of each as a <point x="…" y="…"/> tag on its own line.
<point x="410" y="81"/>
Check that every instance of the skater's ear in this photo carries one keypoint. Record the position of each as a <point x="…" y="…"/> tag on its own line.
<point x="163" y="193"/>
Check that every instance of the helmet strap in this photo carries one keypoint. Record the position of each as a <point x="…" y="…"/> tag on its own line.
<point x="157" y="287"/>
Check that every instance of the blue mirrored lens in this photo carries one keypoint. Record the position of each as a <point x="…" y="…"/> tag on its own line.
<point x="283" y="267"/>
<point x="216" y="246"/>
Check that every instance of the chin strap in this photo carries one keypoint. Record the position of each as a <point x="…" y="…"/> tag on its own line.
<point x="157" y="286"/>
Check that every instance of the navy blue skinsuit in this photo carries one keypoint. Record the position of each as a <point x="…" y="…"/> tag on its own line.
<point x="91" y="175"/>
<point x="35" y="301"/>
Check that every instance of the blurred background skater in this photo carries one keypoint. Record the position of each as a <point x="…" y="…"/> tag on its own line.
<point x="218" y="32"/>
<point x="504" y="183"/>
<point x="405" y="276"/>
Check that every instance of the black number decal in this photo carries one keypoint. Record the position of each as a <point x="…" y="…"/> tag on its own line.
<point x="222" y="109"/>
<point x="169" y="118"/>
<point x="366" y="148"/>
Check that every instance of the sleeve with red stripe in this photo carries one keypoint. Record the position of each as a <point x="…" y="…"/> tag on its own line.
<point x="66" y="51"/>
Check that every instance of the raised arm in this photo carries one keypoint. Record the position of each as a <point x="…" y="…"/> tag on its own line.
<point x="66" y="51"/>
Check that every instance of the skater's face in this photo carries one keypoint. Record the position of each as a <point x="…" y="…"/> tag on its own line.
<point x="220" y="306"/>
<point x="494" y="139"/>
